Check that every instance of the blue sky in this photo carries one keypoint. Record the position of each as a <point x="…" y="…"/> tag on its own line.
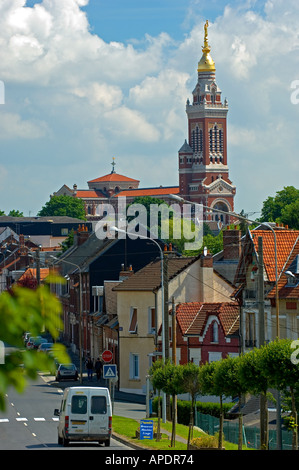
<point x="86" y="81"/>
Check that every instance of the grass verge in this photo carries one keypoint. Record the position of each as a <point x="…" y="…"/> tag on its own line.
<point x="126" y="427"/>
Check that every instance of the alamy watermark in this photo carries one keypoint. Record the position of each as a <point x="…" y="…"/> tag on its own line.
<point x="2" y="92"/>
<point x="2" y="353"/>
<point x="179" y="222"/>
<point x="295" y="93"/>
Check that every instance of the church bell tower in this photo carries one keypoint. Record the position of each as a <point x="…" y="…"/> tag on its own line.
<point x="203" y="167"/>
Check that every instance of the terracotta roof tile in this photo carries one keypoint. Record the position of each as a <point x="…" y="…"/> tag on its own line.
<point x="112" y="177"/>
<point x="192" y="316"/>
<point x="161" y="191"/>
<point x="286" y="241"/>
<point x="149" y="277"/>
<point x="82" y="193"/>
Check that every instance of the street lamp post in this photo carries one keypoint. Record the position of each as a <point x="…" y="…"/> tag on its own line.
<point x="80" y="308"/>
<point x="116" y="229"/>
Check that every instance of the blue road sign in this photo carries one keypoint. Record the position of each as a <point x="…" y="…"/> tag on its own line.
<point x="146" y="429"/>
<point x="109" y="371"/>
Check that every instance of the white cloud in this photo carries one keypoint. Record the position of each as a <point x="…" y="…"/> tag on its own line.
<point x="12" y="126"/>
<point x="83" y="98"/>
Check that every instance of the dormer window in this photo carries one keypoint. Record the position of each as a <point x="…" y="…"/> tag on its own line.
<point x="292" y="279"/>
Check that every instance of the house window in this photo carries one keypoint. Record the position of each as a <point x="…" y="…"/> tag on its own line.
<point x="151" y="320"/>
<point x="215" y="332"/>
<point x="250" y="334"/>
<point x="133" y="321"/>
<point x="134" y="366"/>
<point x="64" y="231"/>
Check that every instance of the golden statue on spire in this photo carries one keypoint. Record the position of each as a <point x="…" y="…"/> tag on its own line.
<point x="206" y="44"/>
<point x="206" y="63"/>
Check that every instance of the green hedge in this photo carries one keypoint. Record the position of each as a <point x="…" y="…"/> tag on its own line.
<point x="183" y="409"/>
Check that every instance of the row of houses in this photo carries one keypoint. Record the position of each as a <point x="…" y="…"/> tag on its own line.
<point x="117" y="290"/>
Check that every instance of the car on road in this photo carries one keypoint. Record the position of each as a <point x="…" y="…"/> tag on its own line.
<point x="35" y="341"/>
<point x="26" y="337"/>
<point x="45" y="347"/>
<point x="85" y="415"/>
<point x="66" y="371"/>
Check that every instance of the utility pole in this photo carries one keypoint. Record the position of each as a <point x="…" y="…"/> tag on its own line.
<point x="174" y="398"/>
<point x="261" y="320"/>
<point x="37" y="253"/>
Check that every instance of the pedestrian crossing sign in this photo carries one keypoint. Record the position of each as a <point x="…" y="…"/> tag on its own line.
<point x="109" y="371"/>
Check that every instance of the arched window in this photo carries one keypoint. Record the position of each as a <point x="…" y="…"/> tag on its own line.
<point x="215" y="138"/>
<point x="211" y="140"/>
<point x="220" y="141"/>
<point x="197" y="140"/>
<point x="215" y="336"/>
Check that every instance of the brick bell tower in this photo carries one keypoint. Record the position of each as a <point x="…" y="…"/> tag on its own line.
<point x="203" y="168"/>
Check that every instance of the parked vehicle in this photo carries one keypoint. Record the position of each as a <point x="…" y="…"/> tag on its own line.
<point x="85" y="415"/>
<point x="26" y="337"/>
<point x="66" y="371"/>
<point x="35" y="341"/>
<point x="45" y="347"/>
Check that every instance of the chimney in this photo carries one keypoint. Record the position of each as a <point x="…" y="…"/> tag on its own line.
<point x="81" y="235"/>
<point x="22" y="249"/>
<point x="231" y="244"/>
<point x="125" y="273"/>
<point x="206" y="261"/>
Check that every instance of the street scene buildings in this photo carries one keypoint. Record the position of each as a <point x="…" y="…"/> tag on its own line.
<point x="135" y="297"/>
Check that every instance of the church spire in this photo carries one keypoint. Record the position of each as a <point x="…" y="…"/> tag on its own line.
<point x="206" y="63"/>
<point x="113" y="165"/>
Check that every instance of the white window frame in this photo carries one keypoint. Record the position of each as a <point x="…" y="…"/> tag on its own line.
<point x="151" y="320"/>
<point x="134" y="366"/>
<point x="133" y="326"/>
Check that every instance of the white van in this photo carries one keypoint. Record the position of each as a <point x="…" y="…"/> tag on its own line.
<point x="85" y="415"/>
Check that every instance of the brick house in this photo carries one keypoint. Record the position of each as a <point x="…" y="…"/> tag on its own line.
<point x="139" y="311"/>
<point x="97" y="263"/>
<point x="207" y="331"/>
<point x="281" y="315"/>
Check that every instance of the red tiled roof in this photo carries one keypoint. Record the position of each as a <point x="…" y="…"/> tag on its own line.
<point x="31" y="273"/>
<point x="193" y="316"/>
<point x="149" y="277"/>
<point x="112" y="177"/>
<point x="83" y="193"/>
<point x="285" y="240"/>
<point x="161" y="191"/>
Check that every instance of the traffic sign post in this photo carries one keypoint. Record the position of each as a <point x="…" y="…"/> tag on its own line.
<point x="107" y="356"/>
<point x="110" y="373"/>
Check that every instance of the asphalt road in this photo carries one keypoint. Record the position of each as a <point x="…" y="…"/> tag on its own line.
<point x="29" y="422"/>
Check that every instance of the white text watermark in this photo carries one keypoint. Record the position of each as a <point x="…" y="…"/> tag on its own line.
<point x="158" y="221"/>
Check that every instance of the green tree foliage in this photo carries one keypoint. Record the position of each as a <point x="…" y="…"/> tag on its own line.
<point x="274" y="365"/>
<point x="21" y="310"/>
<point x="15" y="213"/>
<point x="282" y="208"/>
<point x="64" y="206"/>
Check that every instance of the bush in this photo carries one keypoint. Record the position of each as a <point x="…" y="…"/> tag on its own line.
<point x="183" y="409"/>
<point x="207" y="441"/>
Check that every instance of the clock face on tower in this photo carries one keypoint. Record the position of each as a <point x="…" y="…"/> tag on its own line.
<point x="203" y="157"/>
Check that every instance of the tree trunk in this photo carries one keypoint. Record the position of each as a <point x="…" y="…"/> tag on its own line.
<point x="240" y="437"/>
<point x="159" y="418"/>
<point x="264" y="421"/>
<point x="220" y="442"/>
<point x="173" y="432"/>
<point x="190" y="433"/>
<point x="295" y="423"/>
